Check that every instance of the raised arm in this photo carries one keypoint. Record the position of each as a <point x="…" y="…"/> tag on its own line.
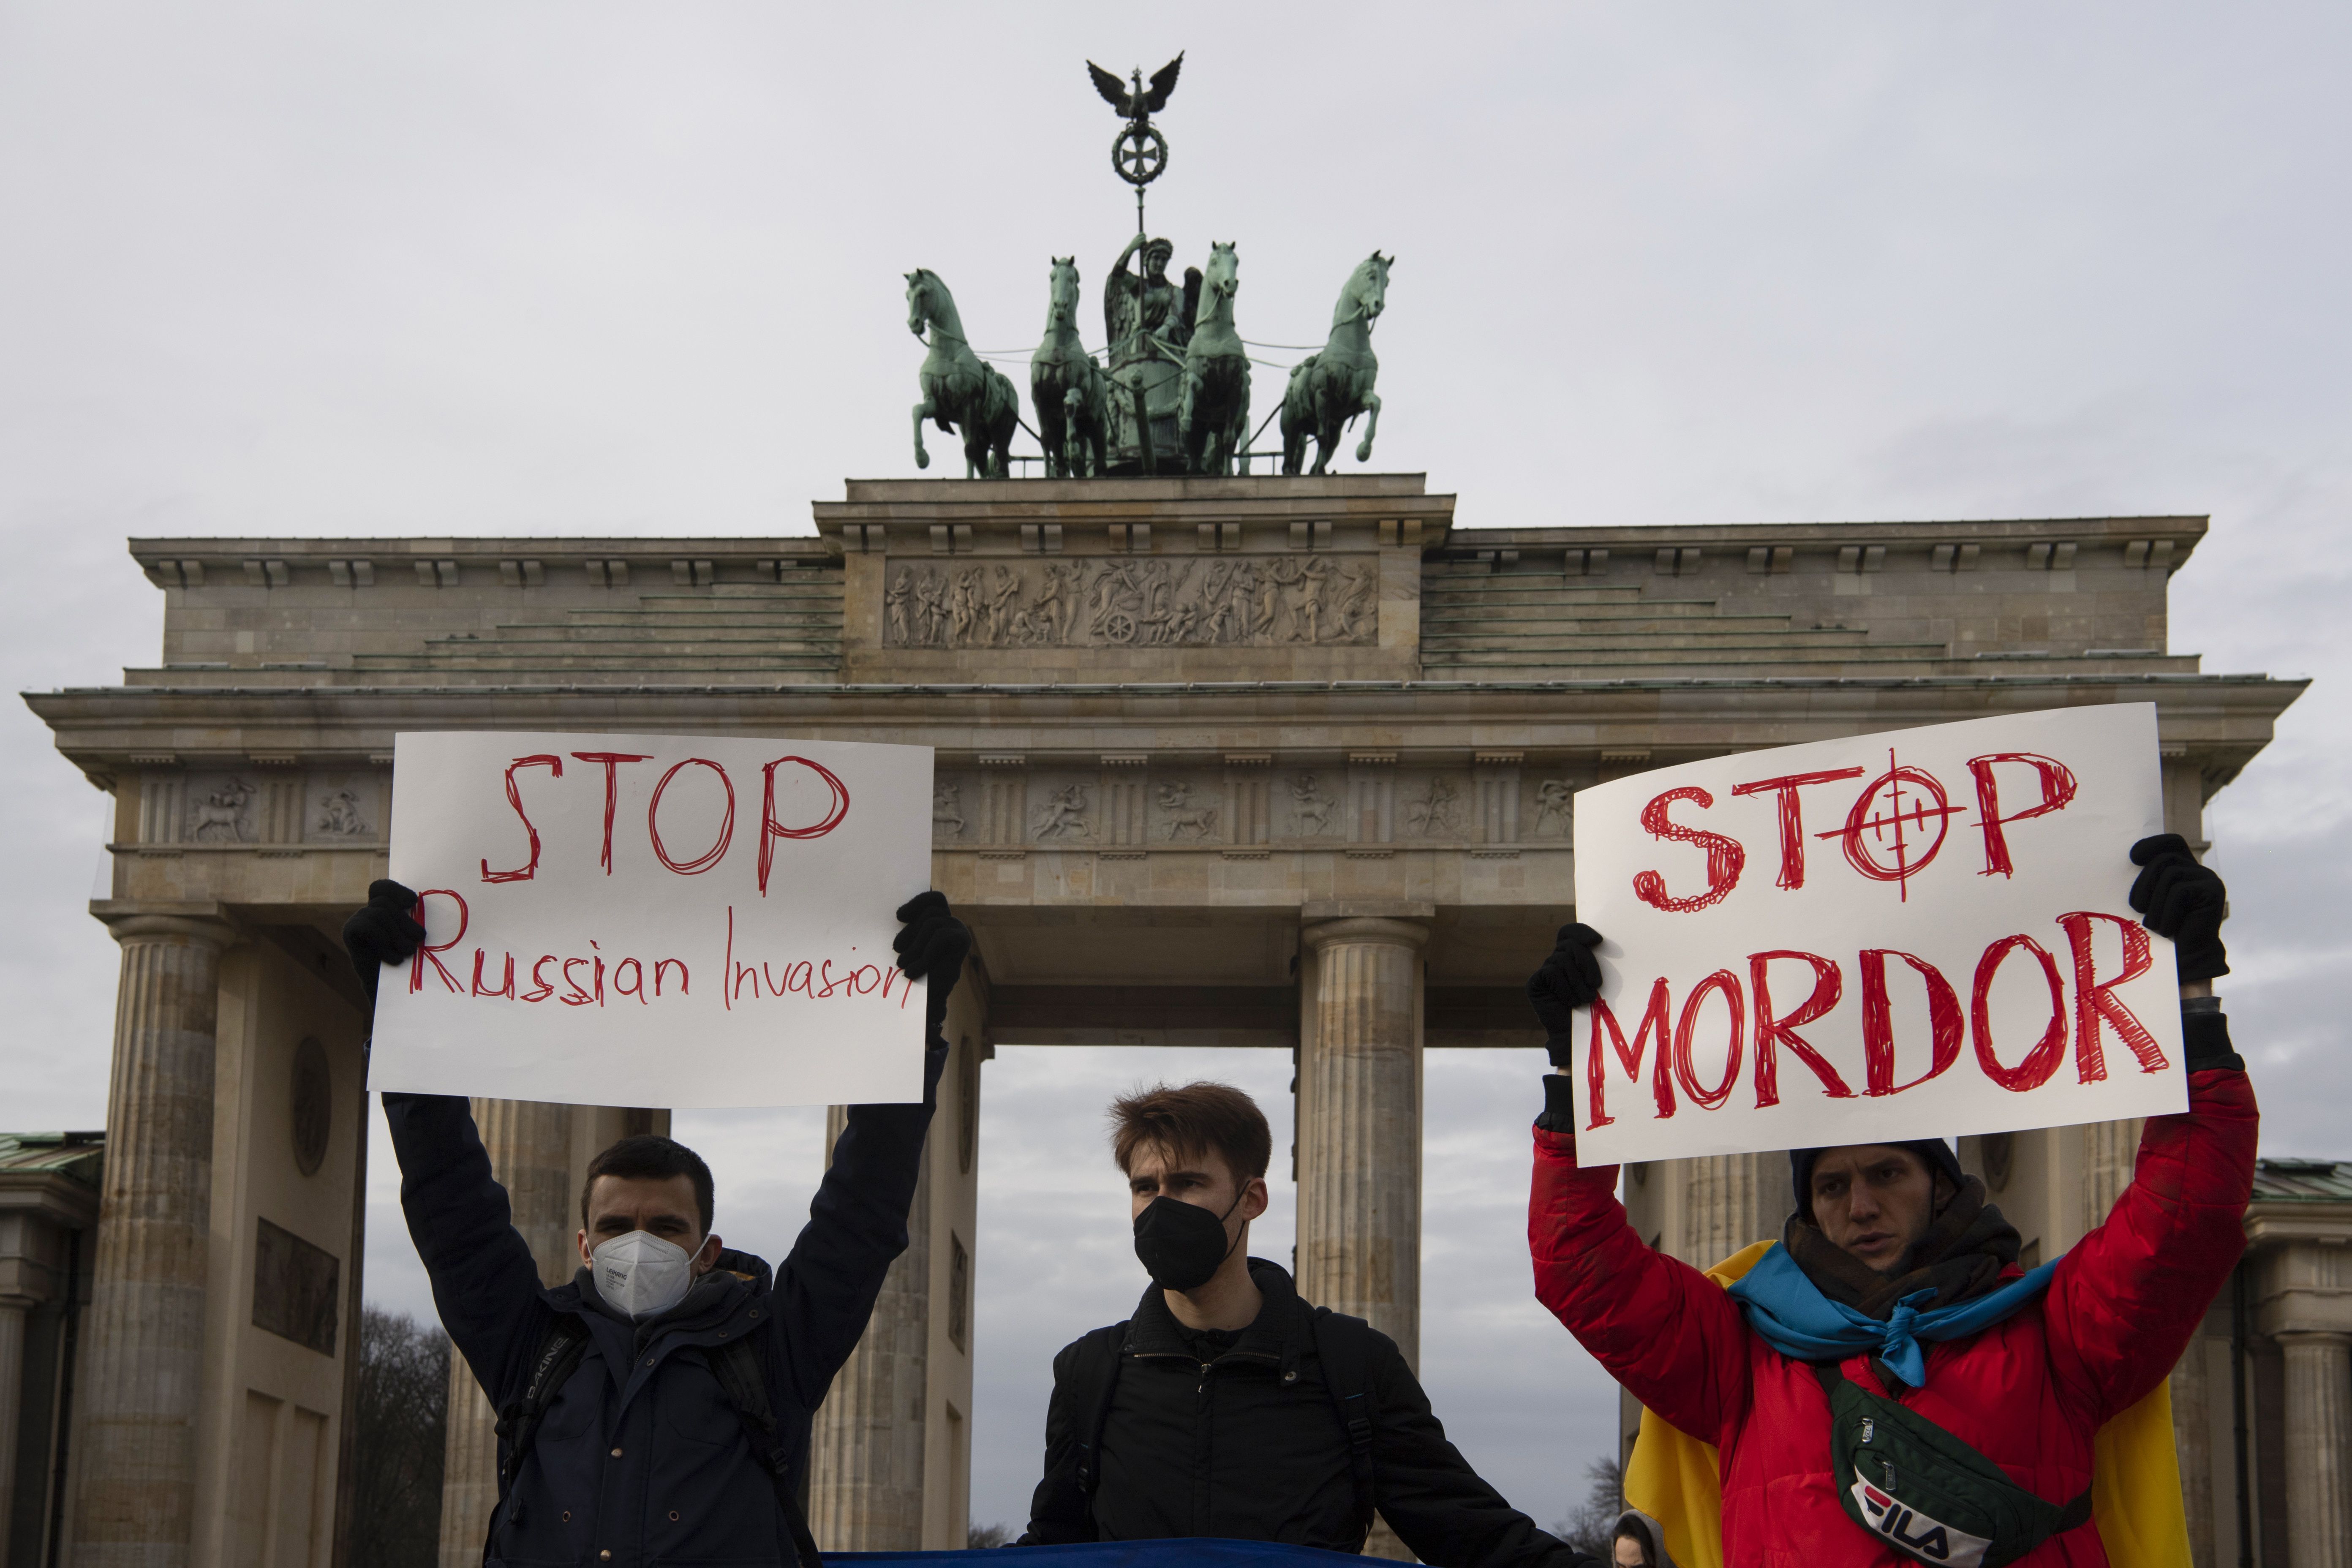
<point x="2125" y="1302"/>
<point x="1659" y="1326"/>
<point x="857" y="1223"/>
<point x="486" y="1284"/>
<point x="1662" y="1327"/>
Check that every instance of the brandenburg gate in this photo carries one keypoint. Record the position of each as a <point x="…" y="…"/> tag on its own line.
<point x="1256" y="761"/>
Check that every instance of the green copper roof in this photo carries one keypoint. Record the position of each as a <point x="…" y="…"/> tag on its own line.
<point x="74" y="1154"/>
<point x="2307" y="1181"/>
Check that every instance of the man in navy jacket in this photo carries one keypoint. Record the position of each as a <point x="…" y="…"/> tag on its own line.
<point x="640" y="1457"/>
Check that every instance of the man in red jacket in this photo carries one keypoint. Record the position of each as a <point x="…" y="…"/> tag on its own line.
<point x="1896" y="1291"/>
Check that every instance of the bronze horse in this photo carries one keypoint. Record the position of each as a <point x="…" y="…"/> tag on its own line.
<point x="1069" y="390"/>
<point x="959" y="387"/>
<point x="1213" y="417"/>
<point x="1329" y="388"/>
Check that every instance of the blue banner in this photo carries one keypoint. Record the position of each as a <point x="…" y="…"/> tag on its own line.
<point x="1202" y="1552"/>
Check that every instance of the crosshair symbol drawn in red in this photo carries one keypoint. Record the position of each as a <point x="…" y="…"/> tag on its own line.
<point x="1906" y="823"/>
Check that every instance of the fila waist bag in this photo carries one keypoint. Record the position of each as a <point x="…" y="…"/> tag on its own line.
<point x="1926" y="1493"/>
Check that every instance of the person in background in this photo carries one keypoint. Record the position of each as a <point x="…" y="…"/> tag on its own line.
<point x="1638" y="1542"/>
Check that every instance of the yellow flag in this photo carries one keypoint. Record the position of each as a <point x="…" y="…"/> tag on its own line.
<point x="2135" y="1476"/>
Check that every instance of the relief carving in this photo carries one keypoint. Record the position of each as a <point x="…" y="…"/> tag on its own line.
<point x="341" y="816"/>
<point x="1552" y="807"/>
<point x="1182" y="816"/>
<point x="224" y="816"/>
<point x="1063" y="815"/>
<point x="1125" y="603"/>
<point x="1430" y="814"/>
<point x="1311" y="805"/>
<point x="947" y="809"/>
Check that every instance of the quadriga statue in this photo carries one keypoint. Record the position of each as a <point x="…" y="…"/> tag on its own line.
<point x="959" y="388"/>
<point x="1331" y="387"/>
<point x="1069" y="390"/>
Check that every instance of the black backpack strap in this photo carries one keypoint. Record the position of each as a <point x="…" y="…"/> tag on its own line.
<point x="1093" y="1378"/>
<point x="559" y="1356"/>
<point x="743" y="1372"/>
<point x="1344" y="1345"/>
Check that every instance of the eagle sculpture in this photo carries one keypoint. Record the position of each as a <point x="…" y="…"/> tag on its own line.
<point x="1135" y="105"/>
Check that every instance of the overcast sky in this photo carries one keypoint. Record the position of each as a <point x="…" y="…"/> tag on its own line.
<point x="588" y="268"/>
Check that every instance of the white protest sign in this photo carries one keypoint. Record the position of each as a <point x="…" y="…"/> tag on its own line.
<point x="1916" y="934"/>
<point x="652" y="920"/>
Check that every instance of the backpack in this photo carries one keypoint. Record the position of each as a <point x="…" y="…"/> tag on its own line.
<point x="1342" y="1345"/>
<point x="1923" y="1491"/>
<point x="742" y="1370"/>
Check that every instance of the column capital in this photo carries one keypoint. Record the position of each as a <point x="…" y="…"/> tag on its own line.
<point x="1386" y="931"/>
<point x="2320" y="1337"/>
<point x="128" y="921"/>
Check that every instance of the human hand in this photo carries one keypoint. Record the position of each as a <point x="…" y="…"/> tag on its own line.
<point x="1569" y="979"/>
<point x="383" y="930"/>
<point x="932" y="944"/>
<point x="2179" y="899"/>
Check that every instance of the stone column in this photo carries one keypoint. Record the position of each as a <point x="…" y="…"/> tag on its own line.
<point x="1359" y="1136"/>
<point x="866" y="1481"/>
<point x="1360" y="1126"/>
<point x="142" y="1366"/>
<point x="2110" y="1152"/>
<point x="12" y="1397"/>
<point x="530" y="1145"/>
<point x="2318" y="1450"/>
<point x="2192" y="1441"/>
<point x="1734" y="1200"/>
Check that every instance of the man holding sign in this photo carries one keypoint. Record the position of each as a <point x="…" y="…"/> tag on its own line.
<point x="1887" y="1384"/>
<point x="656" y="1406"/>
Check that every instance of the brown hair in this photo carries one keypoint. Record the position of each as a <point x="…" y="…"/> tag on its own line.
<point x="649" y="1156"/>
<point x="1195" y="1119"/>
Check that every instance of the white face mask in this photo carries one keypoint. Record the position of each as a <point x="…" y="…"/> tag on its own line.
<point x="641" y="1274"/>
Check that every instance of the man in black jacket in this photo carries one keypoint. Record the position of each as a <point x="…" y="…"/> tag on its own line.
<point x="1228" y="1406"/>
<point x="664" y="1443"/>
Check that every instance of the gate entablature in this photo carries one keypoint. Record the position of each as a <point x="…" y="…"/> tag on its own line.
<point x="1177" y="579"/>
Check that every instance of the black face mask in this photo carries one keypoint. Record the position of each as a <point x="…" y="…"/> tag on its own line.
<point x="1182" y="1244"/>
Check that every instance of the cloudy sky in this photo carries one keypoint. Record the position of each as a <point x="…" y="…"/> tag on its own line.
<point x="594" y="269"/>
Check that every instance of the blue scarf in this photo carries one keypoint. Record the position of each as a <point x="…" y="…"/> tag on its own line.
<point x="1789" y="1311"/>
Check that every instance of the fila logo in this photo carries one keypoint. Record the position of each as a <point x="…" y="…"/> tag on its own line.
<point x="1929" y="1540"/>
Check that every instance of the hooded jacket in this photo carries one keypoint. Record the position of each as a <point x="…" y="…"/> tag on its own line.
<point x="1650" y="1527"/>
<point x="2030" y="1391"/>
<point x="1247" y="1444"/>
<point x="639" y="1458"/>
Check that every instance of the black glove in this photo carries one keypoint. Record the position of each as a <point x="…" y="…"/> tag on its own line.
<point x="383" y="932"/>
<point x="2179" y="899"/>
<point x="1569" y="979"/>
<point x="933" y="943"/>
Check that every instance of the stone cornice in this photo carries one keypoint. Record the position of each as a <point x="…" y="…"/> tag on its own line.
<point x="2284" y="1224"/>
<point x="2217" y="723"/>
<point x="149" y="719"/>
<point x="1195" y="689"/>
<point x="2182" y="530"/>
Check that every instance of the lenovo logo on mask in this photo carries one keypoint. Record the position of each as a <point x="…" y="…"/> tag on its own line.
<point x="1911" y="1531"/>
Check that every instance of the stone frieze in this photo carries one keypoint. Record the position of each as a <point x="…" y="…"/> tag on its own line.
<point x="1125" y="602"/>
